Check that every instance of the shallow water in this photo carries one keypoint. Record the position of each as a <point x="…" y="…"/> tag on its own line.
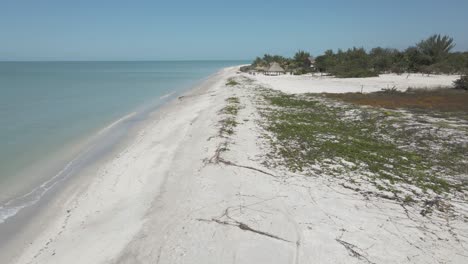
<point x="49" y="107"/>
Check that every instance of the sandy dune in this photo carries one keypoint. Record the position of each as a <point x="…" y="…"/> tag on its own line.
<point x="161" y="201"/>
<point x="326" y="84"/>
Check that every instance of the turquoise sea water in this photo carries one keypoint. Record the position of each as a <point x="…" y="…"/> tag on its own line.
<point x="47" y="106"/>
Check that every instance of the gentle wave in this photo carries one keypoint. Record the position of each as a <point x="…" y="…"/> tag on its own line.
<point x="89" y="94"/>
<point x="15" y="205"/>
<point x="115" y="123"/>
<point x="166" y="95"/>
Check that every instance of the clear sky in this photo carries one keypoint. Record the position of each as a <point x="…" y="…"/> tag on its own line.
<point x="209" y="29"/>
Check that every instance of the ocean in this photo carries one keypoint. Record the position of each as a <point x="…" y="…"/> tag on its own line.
<point x="51" y="111"/>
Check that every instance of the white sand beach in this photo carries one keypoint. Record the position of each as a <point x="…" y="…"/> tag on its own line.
<point x="160" y="200"/>
<point x="329" y="84"/>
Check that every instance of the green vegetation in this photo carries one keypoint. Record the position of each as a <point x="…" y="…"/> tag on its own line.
<point x="350" y="64"/>
<point x="299" y="64"/>
<point x="408" y="199"/>
<point x="228" y="123"/>
<point x="231" y="82"/>
<point x="436" y="47"/>
<point x="233" y="100"/>
<point x="462" y="83"/>
<point x="268" y="59"/>
<point x="430" y="56"/>
<point x="311" y="133"/>
<point x="227" y="126"/>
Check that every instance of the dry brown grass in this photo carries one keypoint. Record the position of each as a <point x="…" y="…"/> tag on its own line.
<point x="440" y="99"/>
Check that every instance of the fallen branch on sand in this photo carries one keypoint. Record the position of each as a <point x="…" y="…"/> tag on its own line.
<point x="216" y="159"/>
<point x="352" y="252"/>
<point x="242" y="226"/>
<point x="227" y="162"/>
<point x="245" y="227"/>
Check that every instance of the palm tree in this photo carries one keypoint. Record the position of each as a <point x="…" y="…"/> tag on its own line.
<point x="436" y="46"/>
<point x="302" y="59"/>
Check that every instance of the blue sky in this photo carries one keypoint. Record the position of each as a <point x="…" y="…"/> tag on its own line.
<point x="208" y="29"/>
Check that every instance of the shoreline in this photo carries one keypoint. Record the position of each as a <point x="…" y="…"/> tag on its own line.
<point x="39" y="141"/>
<point x="58" y="162"/>
<point x="51" y="208"/>
<point x="198" y="183"/>
<point x="72" y="158"/>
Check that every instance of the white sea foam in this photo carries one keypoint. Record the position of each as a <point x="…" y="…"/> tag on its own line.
<point x="166" y="95"/>
<point x="113" y="124"/>
<point x="13" y="206"/>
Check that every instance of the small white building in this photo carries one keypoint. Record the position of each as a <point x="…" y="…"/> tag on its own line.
<point x="312" y="62"/>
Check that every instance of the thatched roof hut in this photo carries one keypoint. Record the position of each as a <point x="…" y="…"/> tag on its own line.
<point x="275" y="69"/>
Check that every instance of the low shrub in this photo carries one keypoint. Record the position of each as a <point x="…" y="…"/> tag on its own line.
<point x="231" y="82"/>
<point x="354" y="73"/>
<point x="246" y="68"/>
<point x="461" y="83"/>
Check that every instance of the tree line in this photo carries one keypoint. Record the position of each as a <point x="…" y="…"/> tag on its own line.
<point x="429" y="56"/>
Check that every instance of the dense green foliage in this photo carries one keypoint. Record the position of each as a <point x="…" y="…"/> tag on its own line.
<point x="462" y="83"/>
<point x="436" y="48"/>
<point x="430" y="56"/>
<point x="299" y="64"/>
<point x="351" y="63"/>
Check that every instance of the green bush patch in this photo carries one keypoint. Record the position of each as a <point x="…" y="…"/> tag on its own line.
<point x="232" y="82"/>
<point x="343" y="139"/>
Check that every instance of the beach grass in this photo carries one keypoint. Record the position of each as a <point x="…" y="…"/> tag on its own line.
<point x="312" y="134"/>
<point x="232" y="82"/>
<point x="229" y="122"/>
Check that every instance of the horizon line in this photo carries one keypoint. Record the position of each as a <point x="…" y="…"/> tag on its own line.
<point x="163" y="60"/>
